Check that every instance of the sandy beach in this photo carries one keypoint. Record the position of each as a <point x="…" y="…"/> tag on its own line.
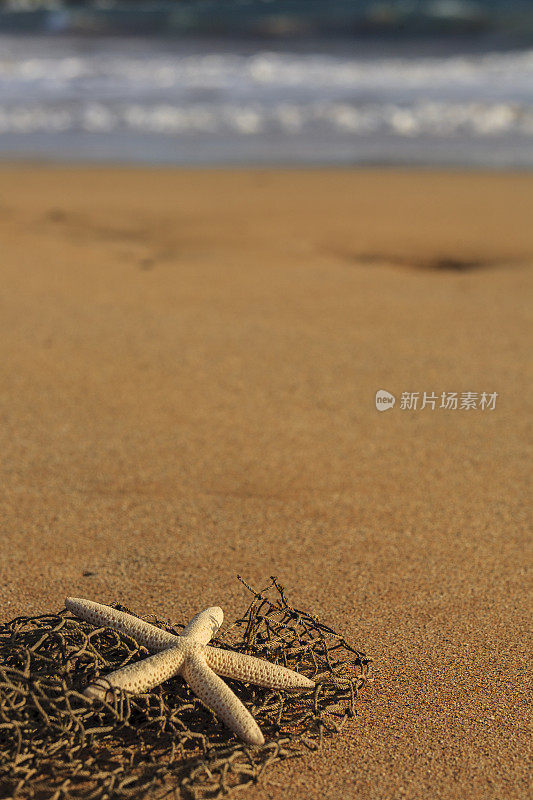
<point x="189" y="361"/>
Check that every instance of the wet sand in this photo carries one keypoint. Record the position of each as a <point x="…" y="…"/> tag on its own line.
<point x="188" y="366"/>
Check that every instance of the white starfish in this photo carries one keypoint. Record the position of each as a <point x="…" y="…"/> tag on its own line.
<point x="190" y="656"/>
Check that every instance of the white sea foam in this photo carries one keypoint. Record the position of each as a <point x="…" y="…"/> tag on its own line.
<point x="421" y="119"/>
<point x="67" y="87"/>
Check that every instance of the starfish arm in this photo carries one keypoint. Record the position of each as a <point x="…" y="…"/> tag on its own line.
<point x="142" y="676"/>
<point x="149" y="636"/>
<point x="204" y="625"/>
<point x="218" y="697"/>
<point x="249" y="669"/>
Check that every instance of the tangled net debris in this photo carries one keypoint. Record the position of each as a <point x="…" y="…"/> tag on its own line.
<point x="56" y="744"/>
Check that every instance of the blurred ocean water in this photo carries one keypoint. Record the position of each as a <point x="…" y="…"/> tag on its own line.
<point x="188" y="101"/>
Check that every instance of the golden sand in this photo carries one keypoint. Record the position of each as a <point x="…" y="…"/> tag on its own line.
<point x="187" y="375"/>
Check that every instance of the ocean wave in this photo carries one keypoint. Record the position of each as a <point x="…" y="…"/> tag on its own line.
<point x="263" y="72"/>
<point x="421" y="119"/>
<point x="142" y="87"/>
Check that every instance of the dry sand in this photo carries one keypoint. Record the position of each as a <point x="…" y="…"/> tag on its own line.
<point x="188" y="368"/>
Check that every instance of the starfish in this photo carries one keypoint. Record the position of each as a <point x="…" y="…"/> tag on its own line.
<point x="190" y="656"/>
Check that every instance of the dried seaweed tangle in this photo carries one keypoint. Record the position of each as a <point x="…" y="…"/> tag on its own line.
<point x="55" y="743"/>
